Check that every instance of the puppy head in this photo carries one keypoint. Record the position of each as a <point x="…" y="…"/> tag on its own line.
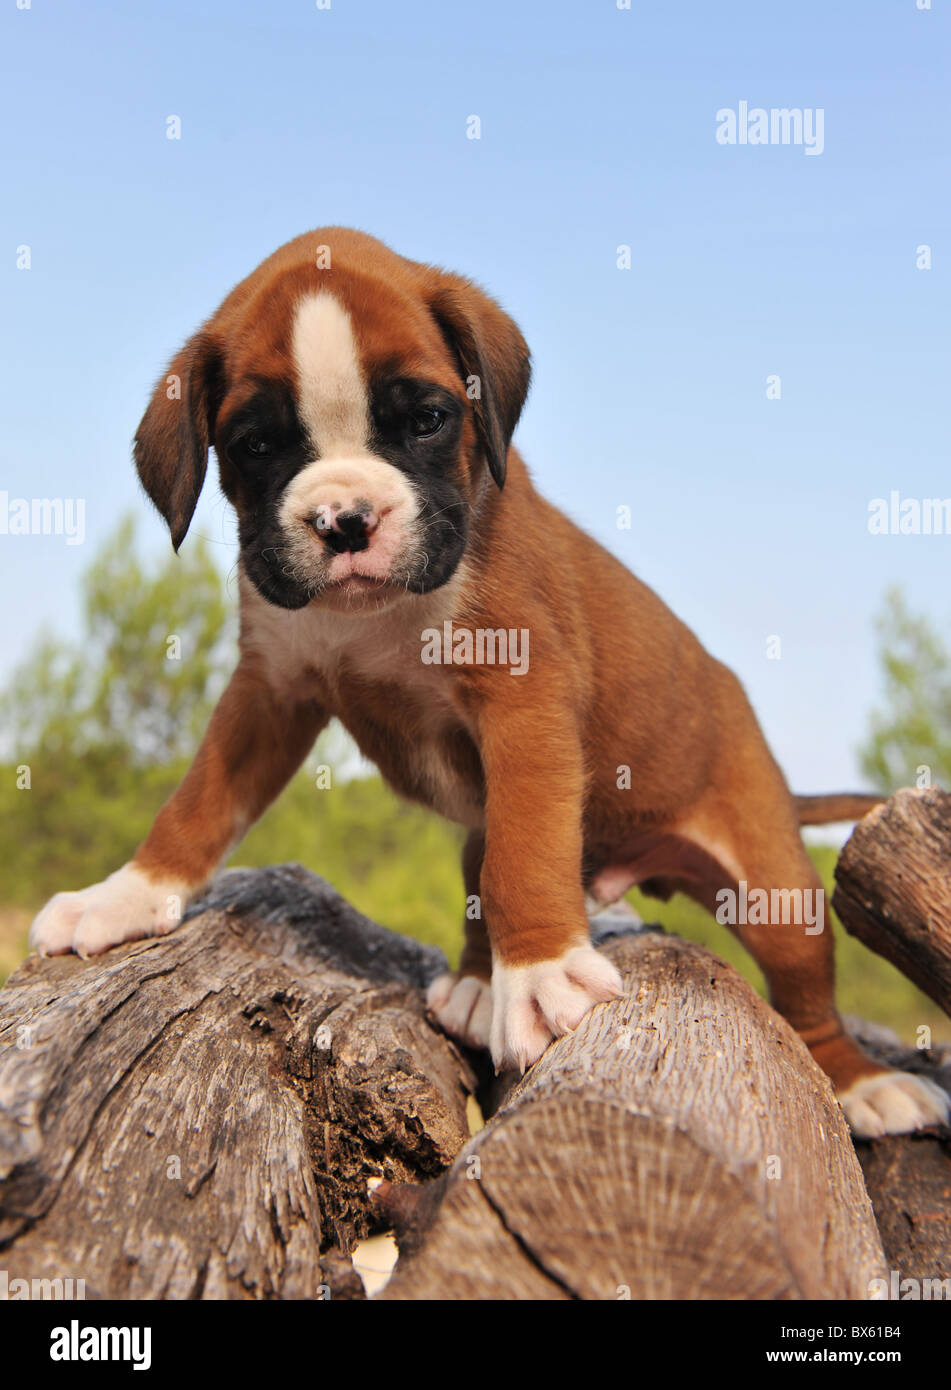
<point x="360" y="406"/>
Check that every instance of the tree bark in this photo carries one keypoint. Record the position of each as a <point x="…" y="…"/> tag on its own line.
<point x="197" y="1116"/>
<point x="893" y="892"/>
<point x="893" y="887"/>
<point x="680" y="1144"/>
<point x="908" y="1176"/>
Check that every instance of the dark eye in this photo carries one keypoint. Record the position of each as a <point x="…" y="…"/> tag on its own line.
<point x="256" y="445"/>
<point x="423" y="423"/>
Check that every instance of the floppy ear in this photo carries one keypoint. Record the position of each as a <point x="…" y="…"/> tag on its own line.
<point x="493" y="358"/>
<point x="174" y="435"/>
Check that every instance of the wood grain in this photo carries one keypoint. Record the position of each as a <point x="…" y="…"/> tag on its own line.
<point x="680" y="1144"/>
<point x="197" y="1116"/>
<point x="893" y="887"/>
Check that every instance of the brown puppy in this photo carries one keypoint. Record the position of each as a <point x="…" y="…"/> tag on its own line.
<point x="490" y="658"/>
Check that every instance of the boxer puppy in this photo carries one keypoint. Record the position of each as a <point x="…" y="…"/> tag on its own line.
<point x="361" y="407"/>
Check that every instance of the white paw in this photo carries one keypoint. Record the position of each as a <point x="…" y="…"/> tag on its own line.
<point x="124" y="907"/>
<point x="532" y="1004"/>
<point x="463" y="1005"/>
<point x="893" y="1102"/>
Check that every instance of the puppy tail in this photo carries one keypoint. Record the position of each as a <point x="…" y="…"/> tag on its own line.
<point x="833" y="806"/>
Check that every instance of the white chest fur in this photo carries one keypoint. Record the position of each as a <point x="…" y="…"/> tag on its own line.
<point x="315" y="652"/>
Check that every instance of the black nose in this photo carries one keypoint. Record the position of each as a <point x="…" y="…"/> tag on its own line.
<point x="348" y="530"/>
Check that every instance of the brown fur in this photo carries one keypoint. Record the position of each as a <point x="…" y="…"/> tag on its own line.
<point x="615" y="681"/>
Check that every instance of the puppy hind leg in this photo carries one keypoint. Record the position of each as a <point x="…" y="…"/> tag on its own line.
<point x="797" y="960"/>
<point x="462" y="1000"/>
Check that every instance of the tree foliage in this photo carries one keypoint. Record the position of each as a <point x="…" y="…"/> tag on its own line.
<point x="142" y="679"/>
<point x="909" y="741"/>
<point x="100" y="731"/>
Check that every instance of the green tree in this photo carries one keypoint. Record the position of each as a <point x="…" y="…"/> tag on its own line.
<point x="153" y="656"/>
<point x="100" y="731"/>
<point x="103" y="728"/>
<point x="913" y="729"/>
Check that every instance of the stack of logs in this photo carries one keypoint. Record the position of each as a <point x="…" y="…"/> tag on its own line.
<point x="203" y="1115"/>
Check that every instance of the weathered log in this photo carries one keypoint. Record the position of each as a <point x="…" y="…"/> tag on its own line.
<point x="908" y="1176"/>
<point x="893" y="887"/>
<point x="197" y="1116"/>
<point x="680" y="1144"/>
<point x="893" y="892"/>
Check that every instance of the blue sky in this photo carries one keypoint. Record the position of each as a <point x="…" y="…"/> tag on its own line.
<point x="749" y="515"/>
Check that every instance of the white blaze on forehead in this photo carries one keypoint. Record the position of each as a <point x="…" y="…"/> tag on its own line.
<point x="332" y="395"/>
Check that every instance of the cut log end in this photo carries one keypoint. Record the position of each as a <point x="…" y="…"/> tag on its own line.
<point x="893" y="887"/>
<point x="201" y="1115"/>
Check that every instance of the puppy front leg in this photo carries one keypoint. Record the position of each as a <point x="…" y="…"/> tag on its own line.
<point x="545" y="973"/>
<point x="256" y="740"/>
